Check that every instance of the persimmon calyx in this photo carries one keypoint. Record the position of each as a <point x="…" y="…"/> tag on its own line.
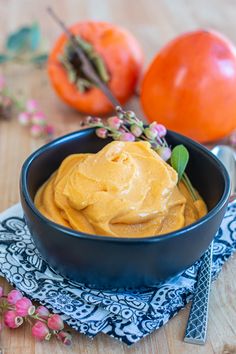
<point x="72" y="64"/>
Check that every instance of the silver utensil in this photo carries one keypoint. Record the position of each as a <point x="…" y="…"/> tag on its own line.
<point x="196" y="329"/>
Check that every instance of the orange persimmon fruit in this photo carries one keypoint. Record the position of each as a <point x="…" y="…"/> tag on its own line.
<point x="118" y="52"/>
<point x="191" y="86"/>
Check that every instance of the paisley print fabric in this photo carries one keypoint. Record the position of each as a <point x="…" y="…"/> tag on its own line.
<point x="127" y="315"/>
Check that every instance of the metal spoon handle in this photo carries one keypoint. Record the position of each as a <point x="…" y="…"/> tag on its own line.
<point x="197" y="323"/>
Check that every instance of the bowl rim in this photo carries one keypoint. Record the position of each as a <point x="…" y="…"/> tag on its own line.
<point x="149" y="239"/>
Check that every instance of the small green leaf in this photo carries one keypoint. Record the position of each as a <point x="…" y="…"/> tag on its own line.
<point x="35" y="36"/>
<point x="179" y="159"/>
<point x="4" y="58"/>
<point x="19" y="40"/>
<point x="40" y="59"/>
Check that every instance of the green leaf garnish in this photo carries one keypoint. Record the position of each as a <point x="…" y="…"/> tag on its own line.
<point x="179" y="159"/>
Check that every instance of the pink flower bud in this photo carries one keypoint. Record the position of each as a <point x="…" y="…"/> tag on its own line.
<point x="24" y="307"/>
<point x="36" y="131"/>
<point x="41" y="331"/>
<point x="65" y="337"/>
<point x="12" y="320"/>
<point x="114" y="122"/>
<point x="55" y="322"/>
<point x="127" y="137"/>
<point x="42" y="312"/>
<point x="31" y="105"/>
<point x="101" y="133"/>
<point x="1" y="291"/>
<point x="38" y="118"/>
<point x="14" y="296"/>
<point x="161" y="130"/>
<point x="150" y="133"/>
<point x="136" y="130"/>
<point x="164" y="152"/>
<point x="24" y="118"/>
<point x="2" y="82"/>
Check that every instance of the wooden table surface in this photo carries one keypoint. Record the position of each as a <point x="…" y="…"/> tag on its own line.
<point x="153" y="22"/>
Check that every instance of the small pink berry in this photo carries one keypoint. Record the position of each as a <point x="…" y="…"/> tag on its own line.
<point x="24" y="307"/>
<point x="65" y="337"/>
<point x="40" y="331"/>
<point x="2" y="82"/>
<point x="12" y="320"/>
<point x="127" y="137"/>
<point x="161" y="130"/>
<point x="114" y="122"/>
<point x="1" y="291"/>
<point x="31" y="105"/>
<point x="55" y="322"/>
<point x="136" y="130"/>
<point x="38" y="118"/>
<point x="24" y="118"/>
<point x="164" y="152"/>
<point x="101" y="133"/>
<point x="36" y="130"/>
<point x="150" y="133"/>
<point x="43" y="312"/>
<point x="14" y="296"/>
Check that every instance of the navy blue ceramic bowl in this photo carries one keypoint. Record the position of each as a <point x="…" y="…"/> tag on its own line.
<point x="108" y="262"/>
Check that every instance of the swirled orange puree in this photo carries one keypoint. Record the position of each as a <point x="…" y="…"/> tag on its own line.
<point x="124" y="190"/>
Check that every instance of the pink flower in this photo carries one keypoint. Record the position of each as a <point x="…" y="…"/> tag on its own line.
<point x="40" y="331"/>
<point x="1" y="291"/>
<point x="12" y="320"/>
<point x="24" y="118"/>
<point x="55" y="322"/>
<point x="24" y="307"/>
<point x="31" y="105"/>
<point x="101" y="133"/>
<point x="36" y="130"/>
<point x="14" y="296"/>
<point x="127" y="137"/>
<point x="38" y="118"/>
<point x="2" y="82"/>
<point x="64" y="337"/>
<point x="114" y="122"/>
<point x="43" y="312"/>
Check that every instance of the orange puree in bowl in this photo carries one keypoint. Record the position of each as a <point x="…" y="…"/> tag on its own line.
<point x="124" y="190"/>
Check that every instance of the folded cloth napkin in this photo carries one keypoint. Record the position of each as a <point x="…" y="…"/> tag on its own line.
<point x="127" y="315"/>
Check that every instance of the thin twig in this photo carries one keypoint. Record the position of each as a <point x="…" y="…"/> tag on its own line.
<point x="87" y="67"/>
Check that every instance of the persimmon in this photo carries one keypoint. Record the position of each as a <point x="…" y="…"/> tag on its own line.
<point x="190" y="86"/>
<point x="115" y="54"/>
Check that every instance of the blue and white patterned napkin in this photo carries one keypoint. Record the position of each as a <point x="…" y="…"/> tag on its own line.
<point x="124" y="314"/>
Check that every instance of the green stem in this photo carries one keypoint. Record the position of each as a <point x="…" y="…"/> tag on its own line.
<point x="189" y="186"/>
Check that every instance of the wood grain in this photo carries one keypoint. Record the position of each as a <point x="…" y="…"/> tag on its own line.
<point x="153" y="22"/>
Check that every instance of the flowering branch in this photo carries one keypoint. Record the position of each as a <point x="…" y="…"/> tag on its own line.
<point x="29" y="114"/>
<point x="126" y="126"/>
<point x="17" y="309"/>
